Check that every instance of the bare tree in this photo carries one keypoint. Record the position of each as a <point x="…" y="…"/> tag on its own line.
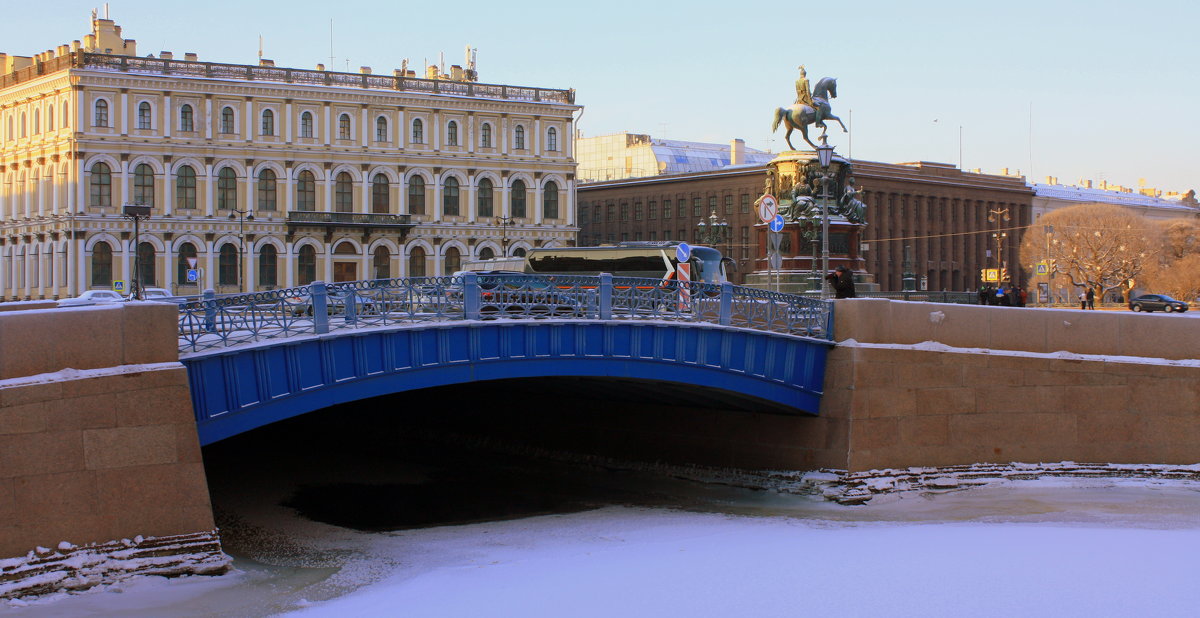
<point x="1180" y="278"/>
<point x="1102" y="247"/>
<point x="1180" y="238"/>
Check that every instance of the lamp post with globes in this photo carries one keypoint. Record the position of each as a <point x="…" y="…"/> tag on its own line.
<point x="137" y="212"/>
<point x="242" y="217"/>
<point x="824" y="158"/>
<point x="504" y="223"/>
<point x="712" y="232"/>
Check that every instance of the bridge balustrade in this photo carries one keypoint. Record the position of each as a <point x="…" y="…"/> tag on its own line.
<point x="319" y="308"/>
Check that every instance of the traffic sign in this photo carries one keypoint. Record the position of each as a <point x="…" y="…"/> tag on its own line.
<point x="683" y="252"/>
<point x="193" y="275"/>
<point x="119" y="286"/>
<point x="191" y="262"/>
<point x="1043" y="268"/>
<point x="776" y="224"/>
<point x="768" y="207"/>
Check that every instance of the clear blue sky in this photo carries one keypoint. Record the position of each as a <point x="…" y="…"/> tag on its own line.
<point x="1112" y="86"/>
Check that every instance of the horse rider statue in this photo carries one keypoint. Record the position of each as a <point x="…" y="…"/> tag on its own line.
<point x="809" y="109"/>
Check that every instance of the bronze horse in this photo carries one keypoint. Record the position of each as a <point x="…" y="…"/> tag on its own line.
<point x="800" y="116"/>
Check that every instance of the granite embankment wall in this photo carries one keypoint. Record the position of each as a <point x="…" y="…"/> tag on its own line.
<point x="97" y="438"/>
<point x="1005" y="384"/>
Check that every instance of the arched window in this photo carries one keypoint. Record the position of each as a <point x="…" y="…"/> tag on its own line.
<point x="186" y="121"/>
<point x="344" y="126"/>
<point x="268" y="122"/>
<point x="452" y="133"/>
<point x="484" y="200"/>
<point x="418" y="131"/>
<point x="100" y="118"/>
<point x="100" y="185"/>
<point x="416" y="195"/>
<point x="550" y="200"/>
<point x="227" y="188"/>
<point x="146" y="257"/>
<point x="380" y="194"/>
<point x="306" y="264"/>
<point x="416" y="262"/>
<point x="143" y="117"/>
<point x="486" y="253"/>
<point x="37" y="121"/>
<point x="381" y="264"/>
<point x="450" y="197"/>
<point x="227" y="265"/>
<point x="267" y="191"/>
<point x="227" y="120"/>
<point x="66" y="116"/>
<point x="519" y="138"/>
<point x="381" y="132"/>
<point x="551" y="139"/>
<point x="268" y="266"/>
<point x="343" y="193"/>
<point x="50" y="117"/>
<point x="143" y="185"/>
<point x="306" y="192"/>
<point x="24" y="125"/>
<point x="185" y="187"/>
<point x="517" y="199"/>
<point x="453" y="260"/>
<point x="485" y="135"/>
<point x="102" y="262"/>
<point x="186" y="250"/>
<point x="306" y="124"/>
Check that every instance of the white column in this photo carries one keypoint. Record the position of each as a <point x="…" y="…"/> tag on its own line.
<point x="328" y="192"/>
<point x="210" y="266"/>
<point x="122" y="115"/>
<point x="289" y="265"/>
<point x="28" y="188"/>
<point x="168" y="261"/>
<point x="124" y="185"/>
<point x="504" y="208"/>
<point x="402" y="197"/>
<point x="208" y="120"/>
<point x="127" y="263"/>
<point x="52" y="276"/>
<point x="327" y="129"/>
<point x="502" y="135"/>
<point x="80" y="188"/>
<point x="209" y="196"/>
<point x="366" y="193"/>
<point x="536" y="205"/>
<point x="569" y="139"/>
<point x="537" y="137"/>
<point x="570" y="215"/>
<point x="287" y="122"/>
<point x="365" y="128"/>
<point x="435" y="137"/>
<point x="327" y="249"/>
<point x="58" y="183"/>
<point x="43" y="189"/>
<point x="289" y="184"/>
<point x="248" y="268"/>
<point x="472" y="198"/>
<point x="400" y="130"/>
<point x="249" y="123"/>
<point x="167" y="117"/>
<point x="168" y="206"/>
<point x="81" y="110"/>
<point x="437" y="200"/>
<point x="78" y="283"/>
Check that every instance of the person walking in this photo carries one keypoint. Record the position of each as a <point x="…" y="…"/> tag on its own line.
<point x="1091" y="299"/>
<point x="843" y="283"/>
<point x="1082" y="300"/>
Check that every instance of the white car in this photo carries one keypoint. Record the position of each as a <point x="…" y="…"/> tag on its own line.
<point x="158" y="294"/>
<point x="92" y="297"/>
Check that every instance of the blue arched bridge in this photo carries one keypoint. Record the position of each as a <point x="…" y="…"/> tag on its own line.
<point x="254" y="359"/>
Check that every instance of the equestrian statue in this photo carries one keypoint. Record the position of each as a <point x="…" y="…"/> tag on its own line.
<point x="808" y="109"/>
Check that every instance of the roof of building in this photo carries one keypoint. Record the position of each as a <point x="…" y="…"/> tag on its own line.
<point x="1092" y="195"/>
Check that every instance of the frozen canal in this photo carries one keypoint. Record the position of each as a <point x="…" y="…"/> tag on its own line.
<point x="413" y="528"/>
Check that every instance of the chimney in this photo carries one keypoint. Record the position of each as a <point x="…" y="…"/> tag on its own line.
<point x="320" y="67"/>
<point x="737" y="152"/>
<point x="364" y="70"/>
<point x="166" y="55"/>
<point x="1004" y="171"/>
<point x="456" y="73"/>
<point x="191" y="57"/>
<point x="266" y="62"/>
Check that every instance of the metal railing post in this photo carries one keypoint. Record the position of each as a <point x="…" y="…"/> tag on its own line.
<point x="351" y="310"/>
<point x="319" y="296"/>
<point x="606" y="294"/>
<point x="725" y="318"/>
<point x="471" y="300"/>
<point x="210" y="310"/>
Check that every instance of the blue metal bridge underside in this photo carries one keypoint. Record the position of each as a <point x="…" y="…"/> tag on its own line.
<point x="240" y="389"/>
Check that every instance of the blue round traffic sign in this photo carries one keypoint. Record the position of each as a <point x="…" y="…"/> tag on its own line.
<point x="683" y="252"/>
<point x="776" y="224"/>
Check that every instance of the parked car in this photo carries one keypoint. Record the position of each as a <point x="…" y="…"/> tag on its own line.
<point x="160" y="295"/>
<point x="334" y="305"/>
<point x="92" y="297"/>
<point x="1157" y="302"/>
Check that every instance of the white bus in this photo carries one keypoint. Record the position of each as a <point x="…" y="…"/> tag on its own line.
<point x="632" y="259"/>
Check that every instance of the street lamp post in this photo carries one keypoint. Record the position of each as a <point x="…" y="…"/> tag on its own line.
<point x="1049" y="231"/>
<point x="998" y="215"/>
<point x="137" y="212"/>
<point x="504" y="223"/>
<point x="712" y="232"/>
<point x="824" y="158"/>
<point x="242" y="217"/>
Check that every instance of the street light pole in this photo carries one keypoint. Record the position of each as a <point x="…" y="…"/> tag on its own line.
<point x="824" y="158"/>
<point x="504" y="223"/>
<point x="712" y="232"/>
<point x="137" y="212"/>
<point x="242" y="217"/>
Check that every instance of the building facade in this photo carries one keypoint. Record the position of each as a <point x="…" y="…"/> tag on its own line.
<point x="260" y="177"/>
<point x="951" y="224"/>
<point x="636" y="155"/>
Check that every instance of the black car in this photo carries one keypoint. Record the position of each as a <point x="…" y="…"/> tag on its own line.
<point x="1157" y="302"/>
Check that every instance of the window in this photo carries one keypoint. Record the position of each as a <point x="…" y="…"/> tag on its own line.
<point x="452" y="133"/>
<point x="416" y="195"/>
<point x="381" y="199"/>
<point x="227" y="265"/>
<point x="485" y="135"/>
<point x="186" y="120"/>
<point x="666" y="209"/>
<point x="66" y="117"/>
<point x="381" y="264"/>
<point x="696" y="207"/>
<point x="146" y="256"/>
<point x="416" y="262"/>
<point x="745" y="242"/>
<point x="101" y="117"/>
<point x="268" y="266"/>
<point x="517" y="199"/>
<point x="381" y="132"/>
<point x="519" y="138"/>
<point x="610" y="213"/>
<point x="744" y="206"/>
<point x="37" y="121"/>
<point x="486" y="253"/>
<point x="102" y="261"/>
<point x="712" y="205"/>
<point x="143" y="117"/>
<point x="343" y="193"/>
<point x="453" y="260"/>
<point x="306" y="263"/>
<point x="637" y="212"/>
<point x="186" y="250"/>
<point x="624" y="212"/>
<point x="50" y="117"/>
<point x="306" y="192"/>
<point x="185" y="188"/>
<point x="344" y="126"/>
<point x="306" y="124"/>
<point x="227" y="120"/>
<point x="550" y="201"/>
<point x="450" y="197"/>
<point x="24" y="125"/>
<point x="267" y="189"/>
<point x="268" y="122"/>
<point x="652" y="210"/>
<point x="551" y="139"/>
<point x="226" y="188"/>
<point x="100" y="186"/>
<point x="729" y="204"/>
<point x="418" y="131"/>
<point x="143" y="185"/>
<point x="484" y="199"/>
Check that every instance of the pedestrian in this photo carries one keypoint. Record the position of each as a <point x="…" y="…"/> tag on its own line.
<point x="1091" y="299"/>
<point x="843" y="283"/>
<point x="983" y="294"/>
<point x="1082" y="300"/>
<point x="1002" y="298"/>
<point x="1022" y="297"/>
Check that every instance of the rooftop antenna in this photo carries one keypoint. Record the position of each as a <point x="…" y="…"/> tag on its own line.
<point x="105" y="10"/>
<point x="260" y="45"/>
<point x="331" y="67"/>
<point x="441" y="63"/>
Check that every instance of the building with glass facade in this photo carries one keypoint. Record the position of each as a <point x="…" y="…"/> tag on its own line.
<point x="632" y="155"/>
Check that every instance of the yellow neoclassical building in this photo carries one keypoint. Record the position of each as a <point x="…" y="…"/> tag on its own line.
<point x="265" y="177"/>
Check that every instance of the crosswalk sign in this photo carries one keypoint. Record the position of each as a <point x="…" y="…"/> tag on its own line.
<point x="1043" y="268"/>
<point x="119" y="286"/>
